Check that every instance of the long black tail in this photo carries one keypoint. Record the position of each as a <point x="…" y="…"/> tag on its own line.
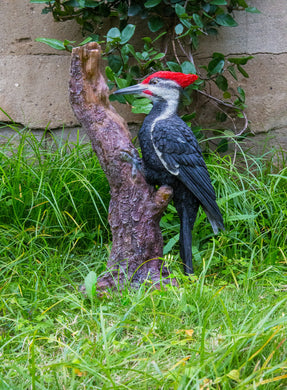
<point x="186" y="205"/>
<point x="199" y="183"/>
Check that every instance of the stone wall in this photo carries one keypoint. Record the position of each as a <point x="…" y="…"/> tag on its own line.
<point x="34" y="78"/>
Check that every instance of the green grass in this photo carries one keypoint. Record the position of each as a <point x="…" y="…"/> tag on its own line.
<point x="224" y="328"/>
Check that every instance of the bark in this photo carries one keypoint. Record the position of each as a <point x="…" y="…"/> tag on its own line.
<point x="135" y="208"/>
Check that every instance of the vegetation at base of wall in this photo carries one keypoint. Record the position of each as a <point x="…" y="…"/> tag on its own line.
<point x="168" y="35"/>
<point x="223" y="328"/>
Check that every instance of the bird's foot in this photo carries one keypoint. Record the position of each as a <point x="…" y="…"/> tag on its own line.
<point x="134" y="159"/>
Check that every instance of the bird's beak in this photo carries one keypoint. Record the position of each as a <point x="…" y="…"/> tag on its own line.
<point x="134" y="89"/>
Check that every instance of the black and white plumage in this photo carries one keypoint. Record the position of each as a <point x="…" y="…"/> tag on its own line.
<point x="172" y="156"/>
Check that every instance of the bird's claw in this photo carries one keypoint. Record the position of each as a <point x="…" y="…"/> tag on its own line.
<point x="132" y="158"/>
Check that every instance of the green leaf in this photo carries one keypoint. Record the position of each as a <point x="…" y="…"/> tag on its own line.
<point x="109" y="73"/>
<point x="242" y="3"/>
<point x="87" y="40"/>
<point x="211" y="31"/>
<point x="226" y="20"/>
<point x="127" y="33"/>
<point x="218" y="2"/>
<point x="151" y="3"/>
<point x="155" y="23"/>
<point x="197" y="20"/>
<point x="135" y="72"/>
<point x="54" y="43"/>
<point x="134" y="10"/>
<point x="171" y="243"/>
<point x="221" y="82"/>
<point x="114" y="35"/>
<point x="178" y="29"/>
<point x="252" y="10"/>
<point x="131" y="49"/>
<point x="159" y="36"/>
<point x="240" y="60"/>
<point x="188" y="67"/>
<point x="194" y="40"/>
<point x="67" y="43"/>
<point x="232" y="71"/>
<point x="227" y="95"/>
<point x="145" y="55"/>
<point x="239" y="114"/>
<point x="141" y="106"/>
<point x="173" y="66"/>
<point x="241" y="94"/>
<point x="158" y="56"/>
<point x="180" y="11"/>
<point x="115" y="63"/>
<point x="215" y="66"/>
<point x="125" y="54"/>
<point x="72" y="3"/>
<point x="218" y="55"/>
<point x="90" y="284"/>
<point x="186" y="23"/>
<point x="121" y="83"/>
<point x="243" y="71"/>
<point x="189" y="117"/>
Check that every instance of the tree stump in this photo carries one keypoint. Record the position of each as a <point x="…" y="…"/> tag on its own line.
<point x="136" y="207"/>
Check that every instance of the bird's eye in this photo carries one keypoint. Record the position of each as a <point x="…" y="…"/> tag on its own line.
<point x="153" y="81"/>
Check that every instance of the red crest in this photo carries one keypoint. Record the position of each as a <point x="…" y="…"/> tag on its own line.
<point x="181" y="79"/>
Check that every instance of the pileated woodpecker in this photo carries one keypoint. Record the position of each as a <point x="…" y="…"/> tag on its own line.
<point x="171" y="155"/>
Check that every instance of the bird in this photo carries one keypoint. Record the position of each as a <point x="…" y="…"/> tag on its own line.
<point x="172" y="156"/>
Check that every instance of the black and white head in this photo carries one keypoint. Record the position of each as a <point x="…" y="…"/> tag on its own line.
<point x="162" y="85"/>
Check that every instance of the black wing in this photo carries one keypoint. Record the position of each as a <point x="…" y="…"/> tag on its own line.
<point x="180" y="153"/>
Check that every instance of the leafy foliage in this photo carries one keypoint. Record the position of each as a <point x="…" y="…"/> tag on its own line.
<point x="175" y="29"/>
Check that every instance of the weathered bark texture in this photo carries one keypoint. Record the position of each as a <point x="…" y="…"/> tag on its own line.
<point x="135" y="207"/>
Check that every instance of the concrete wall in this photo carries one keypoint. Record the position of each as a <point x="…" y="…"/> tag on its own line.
<point x="34" y="78"/>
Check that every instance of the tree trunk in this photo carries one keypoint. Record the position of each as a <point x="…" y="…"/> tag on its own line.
<point x="135" y="207"/>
